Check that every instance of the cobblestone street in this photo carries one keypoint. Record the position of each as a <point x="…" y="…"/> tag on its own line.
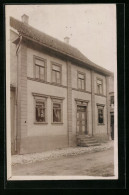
<point x="91" y="161"/>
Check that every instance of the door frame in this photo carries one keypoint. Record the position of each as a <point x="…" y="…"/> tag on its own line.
<point x="81" y="102"/>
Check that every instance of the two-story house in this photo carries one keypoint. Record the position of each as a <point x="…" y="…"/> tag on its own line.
<point x="57" y="93"/>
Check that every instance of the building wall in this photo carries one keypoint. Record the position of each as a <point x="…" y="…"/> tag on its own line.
<point x="13" y="59"/>
<point x="74" y="71"/>
<point x="42" y="137"/>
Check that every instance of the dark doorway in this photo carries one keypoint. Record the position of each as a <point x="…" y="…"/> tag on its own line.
<point x="112" y="126"/>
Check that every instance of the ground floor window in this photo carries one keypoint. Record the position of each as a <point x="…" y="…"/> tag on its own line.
<point x="40" y="108"/>
<point x="100" y="114"/>
<point x="57" y="110"/>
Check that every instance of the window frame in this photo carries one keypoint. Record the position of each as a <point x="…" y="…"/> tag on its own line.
<point x="45" y="67"/>
<point x="60" y="66"/>
<point x="43" y="99"/>
<point x="99" y="79"/>
<point x="56" y="100"/>
<point x="78" y="72"/>
<point x="100" y="106"/>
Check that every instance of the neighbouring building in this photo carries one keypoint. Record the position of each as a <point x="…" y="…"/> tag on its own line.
<point x="57" y="93"/>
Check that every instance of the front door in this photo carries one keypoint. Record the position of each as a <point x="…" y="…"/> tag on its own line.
<point x="112" y="126"/>
<point x="81" y="120"/>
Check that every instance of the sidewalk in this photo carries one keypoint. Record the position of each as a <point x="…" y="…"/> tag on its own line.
<point x="71" y="151"/>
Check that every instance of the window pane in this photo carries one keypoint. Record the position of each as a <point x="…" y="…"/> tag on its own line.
<point x="100" y="89"/>
<point x="57" y="68"/>
<point x="99" y="82"/>
<point x="83" y="84"/>
<point x="40" y="112"/>
<point x="39" y="62"/>
<point x="42" y="73"/>
<point x="58" y="77"/>
<point x="81" y="76"/>
<point x="56" y="113"/>
<point x="79" y="83"/>
<point x="37" y="71"/>
<point x="53" y="76"/>
<point x="100" y="115"/>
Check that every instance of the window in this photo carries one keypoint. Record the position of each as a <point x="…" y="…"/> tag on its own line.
<point x="81" y="81"/>
<point x="56" y="73"/>
<point x="57" y="110"/>
<point x="40" y="65"/>
<point x="99" y="86"/>
<point x="112" y="100"/>
<point x="100" y="114"/>
<point x="40" y="111"/>
<point x="40" y="108"/>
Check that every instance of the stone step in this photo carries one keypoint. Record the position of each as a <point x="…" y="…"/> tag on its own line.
<point x="88" y="145"/>
<point x="88" y="141"/>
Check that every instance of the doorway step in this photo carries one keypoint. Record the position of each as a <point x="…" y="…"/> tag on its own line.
<point x="87" y="141"/>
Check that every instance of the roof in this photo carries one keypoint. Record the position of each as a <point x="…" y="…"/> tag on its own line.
<point x="31" y="33"/>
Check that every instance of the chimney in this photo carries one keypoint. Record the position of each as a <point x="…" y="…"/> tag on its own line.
<point x="66" y="39"/>
<point x="25" y="19"/>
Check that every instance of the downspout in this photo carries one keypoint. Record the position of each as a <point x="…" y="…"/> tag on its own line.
<point x="17" y="51"/>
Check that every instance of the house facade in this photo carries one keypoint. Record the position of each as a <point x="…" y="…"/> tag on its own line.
<point x="56" y="92"/>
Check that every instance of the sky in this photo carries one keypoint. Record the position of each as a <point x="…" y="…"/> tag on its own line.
<point x="90" y="27"/>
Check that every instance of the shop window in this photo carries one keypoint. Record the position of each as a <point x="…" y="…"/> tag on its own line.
<point x="81" y="81"/>
<point x="99" y="86"/>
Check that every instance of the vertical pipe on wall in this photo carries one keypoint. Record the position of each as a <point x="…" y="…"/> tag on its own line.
<point x="69" y="103"/>
<point x="108" y="107"/>
<point x="93" y="102"/>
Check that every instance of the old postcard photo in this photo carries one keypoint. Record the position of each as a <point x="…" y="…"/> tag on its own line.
<point x="61" y="92"/>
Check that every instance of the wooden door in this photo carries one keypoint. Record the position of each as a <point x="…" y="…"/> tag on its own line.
<point x="81" y="120"/>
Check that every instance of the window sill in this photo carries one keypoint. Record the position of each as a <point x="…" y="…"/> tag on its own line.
<point x="57" y="123"/>
<point x="40" y="123"/>
<point x="101" y="124"/>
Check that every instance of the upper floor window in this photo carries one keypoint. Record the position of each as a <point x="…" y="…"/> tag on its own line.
<point x="81" y="81"/>
<point x="40" y="68"/>
<point x="56" y="73"/>
<point x="112" y="100"/>
<point x="99" y="86"/>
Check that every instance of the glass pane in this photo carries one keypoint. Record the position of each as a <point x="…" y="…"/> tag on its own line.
<point x="53" y="76"/>
<point x="79" y="83"/>
<point x="40" y="112"/>
<point x="57" y="68"/>
<point x="39" y="62"/>
<point x="100" y="116"/>
<point x="83" y="128"/>
<point x="37" y="71"/>
<point x="58" y="77"/>
<point x="81" y="76"/>
<point x="100" y="89"/>
<point x="83" y="115"/>
<point x="56" y="115"/>
<point x="42" y="73"/>
<point x="82" y="84"/>
<point x="99" y="82"/>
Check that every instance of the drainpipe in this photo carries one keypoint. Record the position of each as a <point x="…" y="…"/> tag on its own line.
<point x="17" y="52"/>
